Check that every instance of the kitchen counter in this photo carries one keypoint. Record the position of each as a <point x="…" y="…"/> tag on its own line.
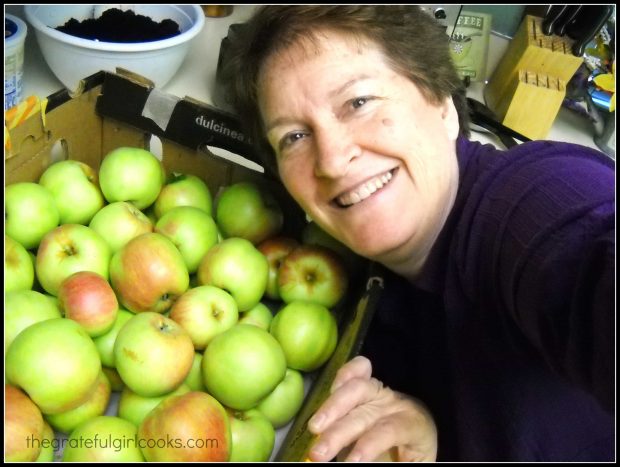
<point x="196" y="77"/>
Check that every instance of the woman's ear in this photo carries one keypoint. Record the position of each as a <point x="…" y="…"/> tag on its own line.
<point x="450" y="118"/>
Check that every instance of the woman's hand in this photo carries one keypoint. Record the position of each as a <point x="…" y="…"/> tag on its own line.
<point x="371" y="418"/>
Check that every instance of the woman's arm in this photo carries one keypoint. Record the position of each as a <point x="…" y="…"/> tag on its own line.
<point x="542" y="230"/>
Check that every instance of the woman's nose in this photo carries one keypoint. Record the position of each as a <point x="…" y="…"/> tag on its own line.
<point x="335" y="149"/>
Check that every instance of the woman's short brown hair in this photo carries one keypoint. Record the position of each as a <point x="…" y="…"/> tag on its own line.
<point x="414" y="42"/>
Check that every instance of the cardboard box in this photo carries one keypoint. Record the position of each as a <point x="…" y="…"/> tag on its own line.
<point x="120" y="109"/>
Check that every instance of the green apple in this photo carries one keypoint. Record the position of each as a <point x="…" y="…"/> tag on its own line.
<point x="67" y="374"/>
<point x="103" y="439"/>
<point x="260" y="316"/>
<point x="197" y="424"/>
<point x="307" y="332"/>
<point x="204" y="312"/>
<point x="68" y="249"/>
<point x="22" y="308"/>
<point x="192" y="230"/>
<point x="23" y="424"/>
<point x="312" y="273"/>
<point x="183" y="190"/>
<point x="30" y="212"/>
<point x="243" y="365"/>
<point x="105" y="342"/>
<point x="153" y="354"/>
<point x="236" y="266"/>
<point x="248" y="211"/>
<point x="75" y="187"/>
<point x="119" y="222"/>
<point x="148" y="274"/>
<point x="194" y="377"/>
<point x="134" y="407"/>
<point x="283" y="403"/>
<point x="48" y="444"/>
<point x="18" y="267"/>
<point x="95" y="405"/>
<point x="88" y="299"/>
<point x="131" y="174"/>
<point x="253" y="436"/>
<point x="275" y="250"/>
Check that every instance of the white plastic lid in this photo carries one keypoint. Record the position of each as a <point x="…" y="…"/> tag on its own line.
<point x="14" y="31"/>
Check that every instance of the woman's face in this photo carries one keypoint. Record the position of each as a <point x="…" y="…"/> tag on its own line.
<point x="358" y="146"/>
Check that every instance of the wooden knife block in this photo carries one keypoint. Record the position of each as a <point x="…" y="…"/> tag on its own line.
<point x="528" y="85"/>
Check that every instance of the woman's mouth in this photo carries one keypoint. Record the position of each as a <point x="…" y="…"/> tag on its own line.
<point x="365" y="190"/>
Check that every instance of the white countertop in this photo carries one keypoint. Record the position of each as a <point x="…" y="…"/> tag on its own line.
<point x="196" y="76"/>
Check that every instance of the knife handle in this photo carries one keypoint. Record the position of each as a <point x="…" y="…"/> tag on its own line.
<point x="585" y="27"/>
<point x="553" y="15"/>
<point x="571" y="14"/>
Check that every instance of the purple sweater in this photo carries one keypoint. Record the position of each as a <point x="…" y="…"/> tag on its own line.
<point x="509" y="335"/>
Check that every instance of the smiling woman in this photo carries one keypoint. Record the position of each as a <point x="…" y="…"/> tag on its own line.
<point x="335" y="151"/>
<point x="499" y="265"/>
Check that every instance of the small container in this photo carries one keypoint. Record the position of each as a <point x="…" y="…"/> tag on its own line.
<point x="14" y="36"/>
<point x="218" y="11"/>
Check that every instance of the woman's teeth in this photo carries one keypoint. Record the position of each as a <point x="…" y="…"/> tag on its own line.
<point x="364" y="190"/>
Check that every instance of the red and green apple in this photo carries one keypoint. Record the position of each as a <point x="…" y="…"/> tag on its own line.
<point x="148" y="274"/>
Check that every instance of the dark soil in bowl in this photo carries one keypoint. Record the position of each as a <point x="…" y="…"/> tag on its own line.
<point x="115" y="25"/>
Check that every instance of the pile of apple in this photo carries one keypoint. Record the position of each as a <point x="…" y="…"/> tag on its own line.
<point x="198" y="311"/>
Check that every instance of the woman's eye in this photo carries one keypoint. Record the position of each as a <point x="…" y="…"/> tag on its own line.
<point x="359" y="101"/>
<point x="290" y="138"/>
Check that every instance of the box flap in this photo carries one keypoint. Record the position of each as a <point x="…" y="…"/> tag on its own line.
<point x="184" y="121"/>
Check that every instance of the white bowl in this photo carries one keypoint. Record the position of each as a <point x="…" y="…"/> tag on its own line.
<point x="72" y="58"/>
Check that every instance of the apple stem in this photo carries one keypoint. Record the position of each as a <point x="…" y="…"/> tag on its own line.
<point x="69" y="250"/>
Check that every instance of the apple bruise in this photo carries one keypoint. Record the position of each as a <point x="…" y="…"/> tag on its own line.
<point x="131" y="354"/>
<point x="11" y="257"/>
